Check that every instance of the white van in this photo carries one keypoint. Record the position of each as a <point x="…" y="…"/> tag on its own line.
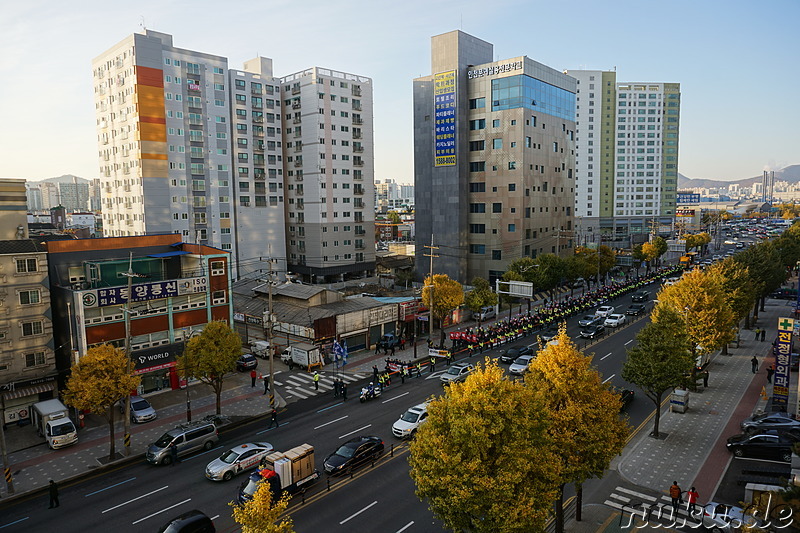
<point x="484" y="314"/>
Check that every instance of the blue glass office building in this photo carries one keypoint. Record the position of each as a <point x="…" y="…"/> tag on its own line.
<point x="494" y="159"/>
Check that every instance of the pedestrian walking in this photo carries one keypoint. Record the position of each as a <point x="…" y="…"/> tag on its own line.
<point x="675" y="494"/>
<point x="273" y="418"/>
<point x="403" y="343"/>
<point x="377" y="348"/>
<point x="266" y="384"/>
<point x="173" y="453"/>
<point x="403" y="375"/>
<point x="758" y="333"/>
<point x="392" y="353"/>
<point x="253" y="378"/>
<point x="53" y="494"/>
<point x="705" y="379"/>
<point x="770" y="372"/>
<point x="433" y="364"/>
<point x="763" y="334"/>
<point x="754" y="364"/>
<point x="335" y="387"/>
<point x="374" y="372"/>
<point x="419" y="369"/>
<point x="344" y="391"/>
<point x="316" y="380"/>
<point x="692" y="497"/>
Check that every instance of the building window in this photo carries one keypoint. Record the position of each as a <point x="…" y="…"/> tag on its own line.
<point x="30" y="297"/>
<point x="477" y="124"/>
<point x="477" y="187"/>
<point x="497" y="255"/>
<point x="30" y="329"/>
<point x="477" y="228"/>
<point x="474" y="146"/>
<point x="496" y="123"/>
<point x="27" y="265"/>
<point x="35" y="359"/>
<point x="477" y="248"/>
<point x="477" y="166"/>
<point x="497" y="208"/>
<point x="477" y="208"/>
<point x="497" y="144"/>
<point x="477" y="103"/>
<point x="512" y="228"/>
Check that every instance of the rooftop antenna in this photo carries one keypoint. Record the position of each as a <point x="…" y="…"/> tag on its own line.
<point x="142" y="24"/>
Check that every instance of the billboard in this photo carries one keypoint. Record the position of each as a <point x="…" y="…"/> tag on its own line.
<point x="783" y="356"/>
<point x="444" y="115"/>
<point x="142" y="292"/>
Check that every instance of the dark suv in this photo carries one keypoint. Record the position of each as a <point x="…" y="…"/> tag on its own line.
<point x="640" y="296"/>
<point x="190" y="522"/>
<point x="246" y="362"/>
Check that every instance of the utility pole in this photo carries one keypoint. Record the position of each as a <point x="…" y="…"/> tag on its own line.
<point x="430" y="294"/>
<point x="127" y="422"/>
<point x="187" y="372"/>
<point x="269" y="337"/>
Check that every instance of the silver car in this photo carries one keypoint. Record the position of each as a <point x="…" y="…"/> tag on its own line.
<point x="141" y="410"/>
<point x="236" y="460"/>
<point x="456" y="373"/>
<point x="520" y="366"/>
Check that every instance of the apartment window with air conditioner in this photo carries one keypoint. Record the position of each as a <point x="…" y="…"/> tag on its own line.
<point x="217" y="268"/>
<point x="218" y="297"/>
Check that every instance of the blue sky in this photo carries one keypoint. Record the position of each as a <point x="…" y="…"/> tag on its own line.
<point x="736" y="62"/>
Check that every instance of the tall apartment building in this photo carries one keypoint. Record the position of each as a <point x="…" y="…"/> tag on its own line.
<point x="627" y="155"/>
<point x="493" y="158"/>
<point x="328" y="151"/>
<point x="192" y="147"/>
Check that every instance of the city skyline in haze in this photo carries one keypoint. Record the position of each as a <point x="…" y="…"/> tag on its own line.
<point x="733" y="62"/>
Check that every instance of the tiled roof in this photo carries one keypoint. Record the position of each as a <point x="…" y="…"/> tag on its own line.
<point x="21" y="246"/>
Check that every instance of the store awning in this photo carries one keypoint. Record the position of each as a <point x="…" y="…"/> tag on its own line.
<point x="29" y="391"/>
<point x="168" y="254"/>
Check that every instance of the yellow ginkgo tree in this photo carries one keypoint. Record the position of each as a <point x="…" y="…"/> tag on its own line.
<point x="98" y="381"/>
<point x="441" y="295"/>
<point x="483" y="461"/>
<point x="585" y="426"/>
<point x="263" y="513"/>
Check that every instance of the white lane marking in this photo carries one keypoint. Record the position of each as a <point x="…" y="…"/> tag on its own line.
<point x="277" y="382"/>
<point x="357" y="513"/>
<point x="606" y="355"/>
<point x="621" y="498"/>
<point x="133" y="500"/>
<point x="161" y="511"/>
<point x="609" y="378"/>
<point x="630" y="341"/>
<point x="405" y="527"/>
<point x="332" y="421"/>
<point x="614" y="504"/>
<point x="110" y="487"/>
<point x="356" y="431"/>
<point x="637" y="494"/>
<point x="297" y="392"/>
<point x="396" y="397"/>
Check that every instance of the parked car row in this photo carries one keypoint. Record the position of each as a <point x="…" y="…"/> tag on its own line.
<point x="769" y="436"/>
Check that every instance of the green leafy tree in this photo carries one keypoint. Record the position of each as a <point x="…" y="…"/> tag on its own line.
<point x="738" y="292"/>
<point x="661" y="359"/>
<point x="763" y="262"/>
<point x="484" y="461"/>
<point x="262" y="514"/>
<point x="480" y="296"/>
<point x="441" y="295"/>
<point x="639" y="257"/>
<point x="585" y="425"/>
<point x="98" y="381"/>
<point x="660" y="248"/>
<point x="211" y="356"/>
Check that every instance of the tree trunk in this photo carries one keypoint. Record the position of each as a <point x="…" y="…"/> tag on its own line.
<point x="747" y="321"/>
<point x="578" y="501"/>
<point x="657" y="417"/>
<point x="725" y="349"/>
<point x="112" y="449"/>
<point x="218" y="394"/>
<point x="441" y="329"/>
<point x="755" y="312"/>
<point x="560" y="509"/>
<point x="763" y="302"/>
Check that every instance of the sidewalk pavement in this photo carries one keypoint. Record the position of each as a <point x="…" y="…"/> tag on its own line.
<point x="691" y="448"/>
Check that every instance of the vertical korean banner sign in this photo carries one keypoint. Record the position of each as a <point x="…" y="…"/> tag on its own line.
<point x="444" y="97"/>
<point x="783" y="355"/>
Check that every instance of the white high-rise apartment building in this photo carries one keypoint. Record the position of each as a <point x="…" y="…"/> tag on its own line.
<point x="328" y="151"/>
<point x="230" y="158"/>
<point x="626" y="155"/>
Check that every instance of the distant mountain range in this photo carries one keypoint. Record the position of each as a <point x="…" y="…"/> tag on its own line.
<point x="790" y="174"/>
<point x="66" y="178"/>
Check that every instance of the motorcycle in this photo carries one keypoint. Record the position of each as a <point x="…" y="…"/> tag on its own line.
<point x="366" y="394"/>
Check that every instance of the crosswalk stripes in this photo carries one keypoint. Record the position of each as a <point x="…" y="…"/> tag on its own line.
<point x="302" y="385"/>
<point x="648" y="508"/>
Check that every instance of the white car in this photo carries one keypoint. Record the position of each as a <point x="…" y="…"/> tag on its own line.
<point x="613" y="321"/>
<point x="410" y="421"/>
<point x="721" y="517"/>
<point x="236" y="460"/>
<point x="604" y="310"/>
<point x="520" y="366"/>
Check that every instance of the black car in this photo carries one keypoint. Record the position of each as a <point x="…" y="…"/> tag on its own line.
<point x="550" y="333"/>
<point x="635" y="309"/>
<point x="767" y="421"/>
<point x="353" y="453"/>
<point x="189" y="522"/>
<point x="626" y="396"/>
<point x="246" y="362"/>
<point x="508" y="356"/>
<point x="640" y="296"/>
<point x="762" y="445"/>
<point x="592" y="331"/>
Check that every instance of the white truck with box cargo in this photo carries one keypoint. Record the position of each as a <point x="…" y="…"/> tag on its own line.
<point x="305" y="355"/>
<point x="290" y="471"/>
<point x="51" y="418"/>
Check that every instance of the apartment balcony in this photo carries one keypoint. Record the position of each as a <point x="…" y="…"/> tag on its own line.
<point x="243" y="174"/>
<point x="296" y="90"/>
<point x="357" y="135"/>
<point x="358" y="217"/>
<point x="298" y="133"/>
<point x="296" y="105"/>
<point x="257" y="92"/>
<point x="258" y="120"/>
<point x="356" y="91"/>
<point x="357" y="121"/>
<point x="298" y="163"/>
<point x="298" y="148"/>
<point x="297" y="120"/>
<point x="358" y="163"/>
<point x="358" y="149"/>
<point x="358" y="205"/>
<point x="256" y="105"/>
<point x="258" y="134"/>
<point x="258" y="147"/>
<point x="361" y="232"/>
<point x="359" y="246"/>
<point x="356" y="107"/>
<point x="300" y="205"/>
<point x="359" y="191"/>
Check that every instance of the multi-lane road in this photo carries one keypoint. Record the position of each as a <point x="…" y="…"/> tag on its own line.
<point x="141" y="497"/>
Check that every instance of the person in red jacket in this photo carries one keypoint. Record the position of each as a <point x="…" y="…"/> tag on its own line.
<point x="253" y="376"/>
<point x="692" y="497"/>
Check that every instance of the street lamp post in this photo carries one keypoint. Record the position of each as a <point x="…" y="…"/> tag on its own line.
<point x="187" y="373"/>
